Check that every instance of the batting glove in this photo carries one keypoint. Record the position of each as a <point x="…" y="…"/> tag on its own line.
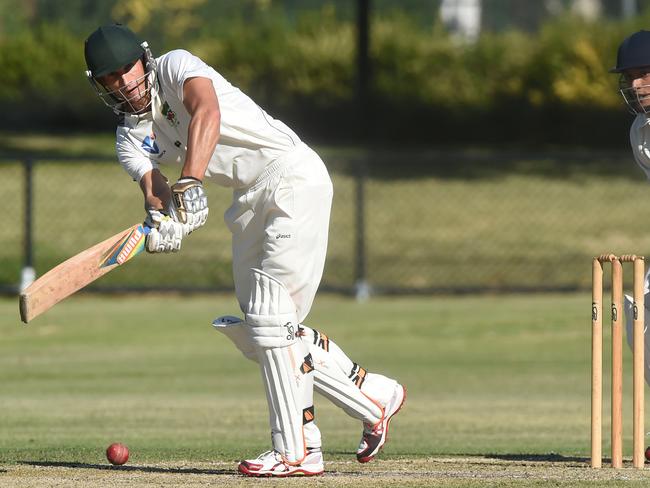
<point x="166" y="234"/>
<point x="189" y="204"/>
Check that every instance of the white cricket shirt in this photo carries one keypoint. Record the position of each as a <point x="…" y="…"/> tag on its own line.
<point x="250" y="138"/>
<point x="640" y="141"/>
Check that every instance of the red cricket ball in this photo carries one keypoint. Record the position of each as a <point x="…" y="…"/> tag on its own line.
<point x="647" y="453"/>
<point x="117" y="453"/>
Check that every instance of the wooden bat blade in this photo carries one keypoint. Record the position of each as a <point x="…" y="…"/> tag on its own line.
<point x="80" y="270"/>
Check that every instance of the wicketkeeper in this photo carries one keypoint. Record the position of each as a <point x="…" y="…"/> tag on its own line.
<point x="633" y="66"/>
<point x="177" y="110"/>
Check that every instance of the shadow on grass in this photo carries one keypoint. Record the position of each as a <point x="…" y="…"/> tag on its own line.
<point x="548" y="458"/>
<point x="144" y="469"/>
<point x="153" y="469"/>
<point x="542" y="458"/>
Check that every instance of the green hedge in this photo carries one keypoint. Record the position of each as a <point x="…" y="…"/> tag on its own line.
<point x="426" y="86"/>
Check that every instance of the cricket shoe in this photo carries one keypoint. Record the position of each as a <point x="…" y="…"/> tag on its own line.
<point x="375" y="436"/>
<point x="270" y="464"/>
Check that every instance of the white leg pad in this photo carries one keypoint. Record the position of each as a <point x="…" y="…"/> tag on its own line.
<point x="343" y="382"/>
<point x="235" y="329"/>
<point x="288" y="398"/>
<point x="379" y="387"/>
<point x="629" y="329"/>
<point x="285" y="364"/>
<point x="336" y="377"/>
<point x="271" y="312"/>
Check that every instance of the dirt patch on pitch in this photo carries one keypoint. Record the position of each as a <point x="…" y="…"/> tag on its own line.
<point x="471" y="471"/>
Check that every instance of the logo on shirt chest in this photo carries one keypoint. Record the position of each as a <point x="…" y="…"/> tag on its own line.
<point x="149" y="144"/>
<point x="170" y="115"/>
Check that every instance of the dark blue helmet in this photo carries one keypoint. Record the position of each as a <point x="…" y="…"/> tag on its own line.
<point x="634" y="52"/>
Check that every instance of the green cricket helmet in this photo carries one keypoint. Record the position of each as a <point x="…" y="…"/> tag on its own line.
<point x="110" y="48"/>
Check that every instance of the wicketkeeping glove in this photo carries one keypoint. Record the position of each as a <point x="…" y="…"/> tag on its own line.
<point x="166" y="234"/>
<point x="189" y="204"/>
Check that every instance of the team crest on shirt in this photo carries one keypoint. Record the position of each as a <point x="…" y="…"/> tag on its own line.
<point x="149" y="144"/>
<point x="169" y="114"/>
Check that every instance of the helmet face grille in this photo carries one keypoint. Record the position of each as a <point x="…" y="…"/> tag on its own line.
<point x="637" y="98"/>
<point x="126" y="98"/>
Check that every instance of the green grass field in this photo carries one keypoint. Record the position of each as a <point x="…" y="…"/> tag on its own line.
<point x="498" y="393"/>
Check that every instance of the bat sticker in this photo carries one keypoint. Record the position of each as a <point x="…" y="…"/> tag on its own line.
<point x="131" y="245"/>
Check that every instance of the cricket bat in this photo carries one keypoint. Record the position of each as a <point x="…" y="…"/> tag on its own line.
<point x="80" y="270"/>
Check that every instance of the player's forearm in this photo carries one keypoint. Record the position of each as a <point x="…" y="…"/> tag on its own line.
<point x="155" y="189"/>
<point x="153" y="202"/>
<point x="203" y="135"/>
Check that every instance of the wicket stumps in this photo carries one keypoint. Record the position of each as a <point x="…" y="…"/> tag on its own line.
<point x="617" y="360"/>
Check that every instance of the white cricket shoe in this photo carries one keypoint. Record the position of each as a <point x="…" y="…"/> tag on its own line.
<point x="375" y="436"/>
<point x="270" y="463"/>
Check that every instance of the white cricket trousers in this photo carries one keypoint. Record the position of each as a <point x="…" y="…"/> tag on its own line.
<point x="280" y="225"/>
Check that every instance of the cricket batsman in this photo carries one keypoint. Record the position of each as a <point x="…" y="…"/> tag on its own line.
<point x="176" y="111"/>
<point x="633" y="66"/>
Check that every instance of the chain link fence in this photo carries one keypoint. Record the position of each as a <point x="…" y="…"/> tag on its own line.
<point x="420" y="222"/>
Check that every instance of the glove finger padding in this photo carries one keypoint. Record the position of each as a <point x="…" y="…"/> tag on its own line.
<point x="166" y="235"/>
<point x="190" y="204"/>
